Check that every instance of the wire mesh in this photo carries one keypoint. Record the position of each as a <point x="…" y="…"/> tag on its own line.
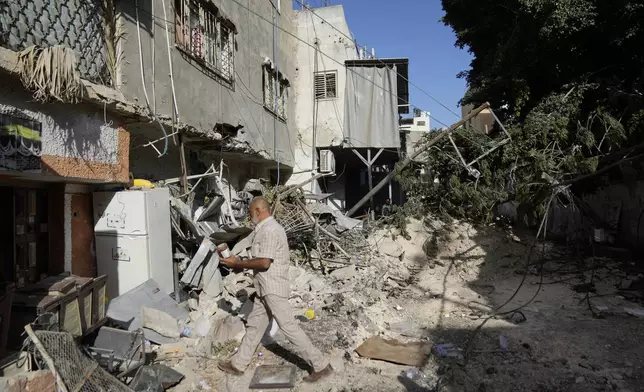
<point x="292" y="218"/>
<point x="72" y="365"/>
<point x="76" y="24"/>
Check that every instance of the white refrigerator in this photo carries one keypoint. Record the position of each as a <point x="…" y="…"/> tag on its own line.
<point x="133" y="239"/>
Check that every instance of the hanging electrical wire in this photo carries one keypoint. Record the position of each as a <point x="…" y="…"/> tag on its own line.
<point x="145" y="91"/>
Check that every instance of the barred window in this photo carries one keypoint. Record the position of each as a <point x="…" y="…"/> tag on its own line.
<point x="326" y="85"/>
<point x="271" y="80"/>
<point x="204" y="33"/>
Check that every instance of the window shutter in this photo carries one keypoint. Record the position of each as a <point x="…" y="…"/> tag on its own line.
<point x="325" y="85"/>
<point x="331" y="85"/>
<point x="320" y="86"/>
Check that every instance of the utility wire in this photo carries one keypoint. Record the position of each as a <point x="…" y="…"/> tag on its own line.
<point x="304" y="6"/>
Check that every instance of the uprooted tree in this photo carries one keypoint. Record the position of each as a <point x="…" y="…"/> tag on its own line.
<point x="566" y="78"/>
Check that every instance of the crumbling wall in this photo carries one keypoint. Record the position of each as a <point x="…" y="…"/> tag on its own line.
<point x="206" y="101"/>
<point x="82" y="141"/>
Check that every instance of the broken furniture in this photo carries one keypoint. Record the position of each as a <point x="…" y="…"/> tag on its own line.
<point x="120" y="352"/>
<point x="73" y="370"/>
<point x="60" y="303"/>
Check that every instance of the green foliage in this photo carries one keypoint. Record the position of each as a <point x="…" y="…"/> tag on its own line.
<point x="565" y="76"/>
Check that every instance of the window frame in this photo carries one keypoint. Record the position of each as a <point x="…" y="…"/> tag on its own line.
<point x="271" y="80"/>
<point x="325" y="74"/>
<point x="202" y="38"/>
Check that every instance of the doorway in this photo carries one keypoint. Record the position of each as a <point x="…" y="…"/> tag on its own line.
<point x="24" y="227"/>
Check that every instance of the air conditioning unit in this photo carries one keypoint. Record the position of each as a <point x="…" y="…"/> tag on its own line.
<point x="327" y="161"/>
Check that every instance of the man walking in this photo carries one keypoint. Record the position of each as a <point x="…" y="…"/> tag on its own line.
<point x="270" y="263"/>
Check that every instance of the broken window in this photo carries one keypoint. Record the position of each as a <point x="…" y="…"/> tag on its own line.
<point x="272" y="81"/>
<point x="204" y="33"/>
<point x="326" y="85"/>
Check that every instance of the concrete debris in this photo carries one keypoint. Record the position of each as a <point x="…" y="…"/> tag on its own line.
<point x="125" y="310"/>
<point x="160" y="322"/>
<point x="191" y="274"/>
<point x="390" y="247"/>
<point x="345" y="273"/>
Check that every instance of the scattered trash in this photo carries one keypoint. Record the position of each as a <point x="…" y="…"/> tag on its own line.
<point x="203" y="384"/>
<point x="413" y="354"/>
<point x="273" y="377"/>
<point x="637" y="312"/>
<point x="73" y="370"/>
<point x="447" y="350"/>
<point x="309" y="314"/>
<point x="503" y="342"/>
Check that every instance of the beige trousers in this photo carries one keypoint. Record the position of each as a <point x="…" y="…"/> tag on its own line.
<point x="258" y="320"/>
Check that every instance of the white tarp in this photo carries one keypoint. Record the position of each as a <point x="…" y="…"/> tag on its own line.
<point x="371" y="108"/>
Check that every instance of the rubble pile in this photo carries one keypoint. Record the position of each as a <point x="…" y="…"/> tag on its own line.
<point x="368" y="297"/>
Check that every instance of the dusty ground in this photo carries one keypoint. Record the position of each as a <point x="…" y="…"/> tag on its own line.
<point x="442" y="298"/>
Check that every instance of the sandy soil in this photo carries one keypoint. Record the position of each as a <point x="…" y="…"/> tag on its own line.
<point x="554" y="344"/>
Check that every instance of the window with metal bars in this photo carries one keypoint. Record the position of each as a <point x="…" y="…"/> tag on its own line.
<point x="326" y="84"/>
<point x="205" y="35"/>
<point x="271" y="79"/>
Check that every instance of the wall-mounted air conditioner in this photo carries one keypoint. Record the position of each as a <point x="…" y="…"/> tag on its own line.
<point x="327" y="161"/>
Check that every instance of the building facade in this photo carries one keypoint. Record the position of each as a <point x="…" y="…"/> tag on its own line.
<point x="143" y="79"/>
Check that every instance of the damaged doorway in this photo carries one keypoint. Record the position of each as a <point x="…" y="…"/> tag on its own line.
<point x="23" y="225"/>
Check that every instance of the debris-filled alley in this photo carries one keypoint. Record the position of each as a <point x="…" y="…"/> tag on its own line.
<point x="238" y="195"/>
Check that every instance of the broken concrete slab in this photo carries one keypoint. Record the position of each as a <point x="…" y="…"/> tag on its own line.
<point x="345" y="273"/>
<point x="198" y="259"/>
<point x="214" y="285"/>
<point x="412" y="354"/>
<point x="160" y="322"/>
<point x="125" y="310"/>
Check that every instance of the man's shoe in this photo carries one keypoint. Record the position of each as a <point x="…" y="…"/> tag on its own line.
<point x="316" y="376"/>
<point x="227" y="367"/>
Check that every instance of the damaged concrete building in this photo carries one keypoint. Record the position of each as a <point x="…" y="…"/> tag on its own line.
<point x="348" y="106"/>
<point x="205" y="99"/>
<point x="137" y="60"/>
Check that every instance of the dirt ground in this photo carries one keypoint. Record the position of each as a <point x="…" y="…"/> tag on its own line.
<point x="555" y="342"/>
